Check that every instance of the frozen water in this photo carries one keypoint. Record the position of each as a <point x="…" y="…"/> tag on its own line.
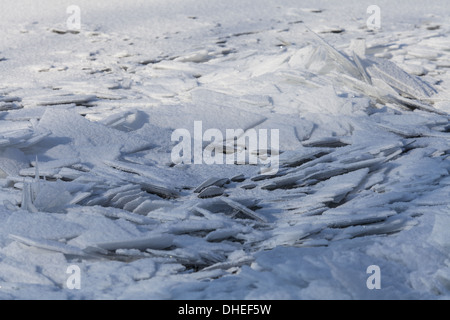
<point x="87" y="179"/>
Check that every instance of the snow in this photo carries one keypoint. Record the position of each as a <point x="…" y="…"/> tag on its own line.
<point x="87" y="178"/>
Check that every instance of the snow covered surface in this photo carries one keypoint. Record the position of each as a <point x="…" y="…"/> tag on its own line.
<point x="86" y="178"/>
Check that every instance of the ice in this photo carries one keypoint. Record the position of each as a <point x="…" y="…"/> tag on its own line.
<point x="336" y="188"/>
<point x="152" y="242"/>
<point x="439" y="235"/>
<point x="87" y="179"/>
<point x="12" y="161"/>
<point x="88" y="135"/>
<point x="49" y="245"/>
<point x="211" y="182"/>
<point x="398" y="78"/>
<point x="43" y="226"/>
<point x="211" y="192"/>
<point x="244" y="210"/>
<point x="65" y="99"/>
